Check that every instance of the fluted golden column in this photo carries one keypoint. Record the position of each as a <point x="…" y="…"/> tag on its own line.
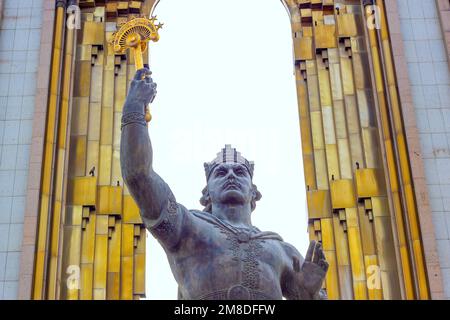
<point x="91" y="240"/>
<point x="360" y="194"/>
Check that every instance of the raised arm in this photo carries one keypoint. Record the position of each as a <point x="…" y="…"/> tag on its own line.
<point x="149" y="191"/>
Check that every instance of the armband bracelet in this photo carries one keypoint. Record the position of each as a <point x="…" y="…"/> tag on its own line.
<point x="133" y="117"/>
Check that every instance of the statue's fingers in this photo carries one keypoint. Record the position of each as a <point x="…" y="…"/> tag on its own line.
<point x="322" y="255"/>
<point x="323" y="265"/>
<point x="141" y="73"/>
<point x="309" y="253"/>
<point x="148" y="79"/>
<point x="317" y="251"/>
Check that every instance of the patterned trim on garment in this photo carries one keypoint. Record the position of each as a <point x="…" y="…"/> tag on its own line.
<point x="133" y="117"/>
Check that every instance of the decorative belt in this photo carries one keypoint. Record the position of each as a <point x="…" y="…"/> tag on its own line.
<point x="237" y="292"/>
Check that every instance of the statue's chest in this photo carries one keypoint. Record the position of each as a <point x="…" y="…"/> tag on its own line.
<point x="250" y="253"/>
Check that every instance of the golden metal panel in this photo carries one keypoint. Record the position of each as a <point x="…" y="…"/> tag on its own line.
<point x="88" y="239"/>
<point x="369" y="183"/>
<point x="336" y="81"/>
<point x="344" y="159"/>
<point x="347" y="76"/>
<point x="367" y="115"/>
<point x="99" y="294"/>
<point x="73" y="215"/>
<point x="78" y="156"/>
<point x="139" y="274"/>
<point x="104" y="177"/>
<point x="87" y="278"/>
<point x="342" y="194"/>
<point x="366" y="226"/>
<point x="94" y="121"/>
<point x="127" y="240"/>
<point x="356" y="149"/>
<point x="102" y="225"/>
<point x="313" y="92"/>
<point x="82" y="81"/>
<point x="340" y="119"/>
<point x="113" y="287"/>
<point x="126" y="280"/>
<point x="317" y="130"/>
<point x="352" y="114"/>
<point x="356" y="254"/>
<point x="346" y="25"/>
<point x="106" y="136"/>
<point x="303" y="48"/>
<point x="362" y="77"/>
<point x="83" y="53"/>
<point x="380" y="207"/>
<point x="114" y="249"/>
<point x="332" y="161"/>
<point x="82" y="191"/>
<point x="328" y="125"/>
<point x="321" y="169"/>
<point x="93" y="33"/>
<point x="331" y="282"/>
<point x="130" y="211"/>
<point x="92" y="157"/>
<point x="319" y="205"/>
<point x="370" y="140"/>
<point x="325" y="36"/>
<point x="324" y="87"/>
<point x="116" y="172"/>
<point x="101" y="257"/>
<point x="96" y="85"/>
<point x="109" y="200"/>
<point x="79" y="121"/>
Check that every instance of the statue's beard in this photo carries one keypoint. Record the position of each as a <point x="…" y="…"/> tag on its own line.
<point x="233" y="196"/>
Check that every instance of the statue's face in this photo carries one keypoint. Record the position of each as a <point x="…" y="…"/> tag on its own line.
<point x="230" y="183"/>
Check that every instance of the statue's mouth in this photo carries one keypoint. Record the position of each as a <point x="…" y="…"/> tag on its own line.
<point x="230" y="185"/>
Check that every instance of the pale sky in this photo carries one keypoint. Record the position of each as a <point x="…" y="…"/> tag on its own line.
<point x="225" y="76"/>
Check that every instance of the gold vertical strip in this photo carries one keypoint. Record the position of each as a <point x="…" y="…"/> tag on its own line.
<point x="343" y="259"/>
<point x="101" y="257"/>
<point x="403" y="159"/>
<point x="329" y="248"/>
<point x="127" y="259"/>
<point x="385" y="250"/>
<point x="114" y="251"/>
<point x="407" y="270"/>
<point x="40" y="270"/>
<point x="356" y="254"/>
<point x="71" y="260"/>
<point x="87" y="254"/>
<point x="58" y="205"/>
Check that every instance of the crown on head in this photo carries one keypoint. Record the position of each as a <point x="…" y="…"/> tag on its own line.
<point x="228" y="155"/>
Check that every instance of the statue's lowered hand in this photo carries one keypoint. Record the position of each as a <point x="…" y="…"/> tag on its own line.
<point x="142" y="91"/>
<point x="312" y="272"/>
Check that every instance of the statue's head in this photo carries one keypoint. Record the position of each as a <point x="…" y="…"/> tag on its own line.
<point x="229" y="180"/>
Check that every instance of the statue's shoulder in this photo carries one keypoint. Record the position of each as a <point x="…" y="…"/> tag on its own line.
<point x="290" y="250"/>
<point x="202" y="216"/>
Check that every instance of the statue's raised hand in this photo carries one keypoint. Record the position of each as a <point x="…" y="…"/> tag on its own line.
<point x="142" y="91"/>
<point x="312" y="272"/>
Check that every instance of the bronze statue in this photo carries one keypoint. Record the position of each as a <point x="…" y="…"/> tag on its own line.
<point x="217" y="253"/>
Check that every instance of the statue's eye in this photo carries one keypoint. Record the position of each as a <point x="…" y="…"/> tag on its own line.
<point x="220" y="173"/>
<point x="240" y="172"/>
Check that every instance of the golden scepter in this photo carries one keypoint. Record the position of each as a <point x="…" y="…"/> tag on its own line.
<point x="134" y="35"/>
